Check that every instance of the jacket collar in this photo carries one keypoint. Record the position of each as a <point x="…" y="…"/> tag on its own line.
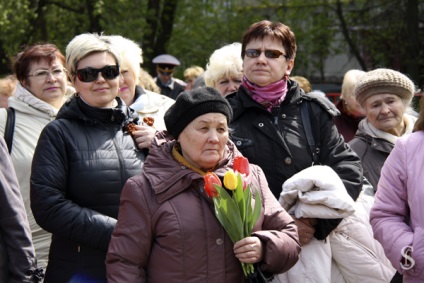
<point x="139" y="91"/>
<point x="22" y="94"/>
<point x="168" y="177"/>
<point x="76" y="109"/>
<point x="372" y="141"/>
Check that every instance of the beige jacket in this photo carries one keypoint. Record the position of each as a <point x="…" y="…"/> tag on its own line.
<point x="32" y="114"/>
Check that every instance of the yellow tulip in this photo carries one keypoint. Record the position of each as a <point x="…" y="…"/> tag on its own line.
<point x="230" y="180"/>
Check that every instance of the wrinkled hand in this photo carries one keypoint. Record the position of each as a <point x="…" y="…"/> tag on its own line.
<point x="249" y="250"/>
<point x="143" y="136"/>
<point x="305" y="229"/>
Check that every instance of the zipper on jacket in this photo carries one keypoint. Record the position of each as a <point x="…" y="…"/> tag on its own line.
<point x="356" y="243"/>
<point x="121" y="162"/>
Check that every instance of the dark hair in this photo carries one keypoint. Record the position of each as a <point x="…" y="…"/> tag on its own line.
<point x="419" y="124"/>
<point x="275" y="30"/>
<point x="34" y="54"/>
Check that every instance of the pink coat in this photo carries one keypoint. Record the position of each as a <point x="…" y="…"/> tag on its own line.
<point x="400" y="195"/>
<point x="167" y="230"/>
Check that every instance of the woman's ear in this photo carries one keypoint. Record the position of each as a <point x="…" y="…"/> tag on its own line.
<point x="25" y="83"/>
<point x="73" y="80"/>
<point x="290" y="66"/>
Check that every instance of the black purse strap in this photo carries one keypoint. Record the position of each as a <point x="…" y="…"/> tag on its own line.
<point x="314" y="150"/>
<point x="10" y="128"/>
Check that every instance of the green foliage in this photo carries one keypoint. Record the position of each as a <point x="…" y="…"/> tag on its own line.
<point x="14" y="20"/>
<point x="373" y="31"/>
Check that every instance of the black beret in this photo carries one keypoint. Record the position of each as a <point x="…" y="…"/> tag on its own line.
<point x="193" y="103"/>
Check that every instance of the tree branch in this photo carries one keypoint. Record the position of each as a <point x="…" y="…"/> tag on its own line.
<point x="346" y="34"/>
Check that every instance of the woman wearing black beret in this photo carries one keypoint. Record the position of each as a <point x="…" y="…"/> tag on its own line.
<point x="167" y="230"/>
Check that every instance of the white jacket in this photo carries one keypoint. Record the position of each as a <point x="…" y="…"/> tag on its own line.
<point x="153" y="105"/>
<point x="349" y="253"/>
<point x="359" y="257"/>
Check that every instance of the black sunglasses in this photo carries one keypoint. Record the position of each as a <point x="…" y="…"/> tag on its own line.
<point x="87" y="75"/>
<point x="269" y="53"/>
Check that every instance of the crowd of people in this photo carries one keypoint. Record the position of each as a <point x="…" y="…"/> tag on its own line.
<point x="104" y="167"/>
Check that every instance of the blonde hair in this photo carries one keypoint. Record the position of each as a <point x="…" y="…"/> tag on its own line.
<point x="225" y="62"/>
<point x="147" y="82"/>
<point x="130" y="52"/>
<point x="86" y="44"/>
<point x="349" y="81"/>
<point x="193" y="72"/>
<point x="303" y="83"/>
<point x="8" y="85"/>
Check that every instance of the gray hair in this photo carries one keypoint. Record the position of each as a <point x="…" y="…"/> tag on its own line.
<point x="130" y="52"/>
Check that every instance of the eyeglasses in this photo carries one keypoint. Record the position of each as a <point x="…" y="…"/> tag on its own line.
<point x="89" y="74"/>
<point x="269" y="53"/>
<point x="42" y="75"/>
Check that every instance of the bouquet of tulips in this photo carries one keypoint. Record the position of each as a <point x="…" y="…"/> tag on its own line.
<point x="234" y="208"/>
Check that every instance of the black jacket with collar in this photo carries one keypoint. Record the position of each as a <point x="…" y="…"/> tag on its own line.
<point x="81" y="163"/>
<point x="277" y="142"/>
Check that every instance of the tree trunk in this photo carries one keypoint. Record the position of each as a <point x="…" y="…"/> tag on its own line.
<point x="354" y="49"/>
<point x="161" y="26"/>
<point x="412" y="42"/>
<point x="94" y="20"/>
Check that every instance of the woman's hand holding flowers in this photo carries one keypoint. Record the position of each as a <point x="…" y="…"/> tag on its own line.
<point x="249" y="250"/>
<point x="237" y="211"/>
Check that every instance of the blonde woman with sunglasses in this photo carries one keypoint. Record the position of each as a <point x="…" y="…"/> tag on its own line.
<point x="81" y="163"/>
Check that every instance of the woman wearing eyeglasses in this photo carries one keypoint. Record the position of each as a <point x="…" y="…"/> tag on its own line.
<point x="39" y="93"/>
<point x="270" y="131"/>
<point x="81" y="163"/>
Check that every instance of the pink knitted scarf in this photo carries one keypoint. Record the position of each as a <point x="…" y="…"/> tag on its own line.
<point x="268" y="96"/>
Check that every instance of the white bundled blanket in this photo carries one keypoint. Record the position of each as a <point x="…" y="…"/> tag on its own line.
<point x="316" y="192"/>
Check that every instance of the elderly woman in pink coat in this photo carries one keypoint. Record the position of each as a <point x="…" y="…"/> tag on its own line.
<point x="397" y="216"/>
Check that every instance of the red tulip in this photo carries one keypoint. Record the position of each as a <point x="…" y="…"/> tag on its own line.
<point x="211" y="179"/>
<point x="241" y="164"/>
<point x="244" y="183"/>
